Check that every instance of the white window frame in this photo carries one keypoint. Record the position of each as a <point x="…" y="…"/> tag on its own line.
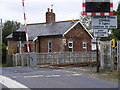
<point x="70" y="47"/>
<point x="49" y="48"/>
<point x="84" y="45"/>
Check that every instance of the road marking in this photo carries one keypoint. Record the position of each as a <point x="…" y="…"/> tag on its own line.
<point x="50" y="76"/>
<point x="8" y="82"/>
<point x="66" y="71"/>
<point x="76" y="74"/>
<point x="53" y="76"/>
<point x="34" y="76"/>
<point x="73" y="75"/>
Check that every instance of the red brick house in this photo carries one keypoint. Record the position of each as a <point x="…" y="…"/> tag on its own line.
<point x="54" y="36"/>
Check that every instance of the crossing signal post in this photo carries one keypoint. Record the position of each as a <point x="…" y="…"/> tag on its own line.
<point x="112" y="42"/>
<point x="97" y="8"/>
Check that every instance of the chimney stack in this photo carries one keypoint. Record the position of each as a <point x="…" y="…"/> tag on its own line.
<point x="48" y="9"/>
<point x="50" y="16"/>
<point x="52" y="10"/>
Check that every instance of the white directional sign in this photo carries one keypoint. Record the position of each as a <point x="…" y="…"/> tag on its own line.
<point x="104" y="22"/>
<point x="100" y="32"/>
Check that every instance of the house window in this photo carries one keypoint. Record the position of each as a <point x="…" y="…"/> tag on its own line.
<point x="70" y="46"/>
<point x="49" y="47"/>
<point x="84" y="45"/>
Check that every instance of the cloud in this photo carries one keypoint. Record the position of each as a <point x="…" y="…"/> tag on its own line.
<point x="35" y="9"/>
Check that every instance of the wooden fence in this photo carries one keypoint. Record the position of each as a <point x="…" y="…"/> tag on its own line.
<point x="54" y="58"/>
<point x="65" y="57"/>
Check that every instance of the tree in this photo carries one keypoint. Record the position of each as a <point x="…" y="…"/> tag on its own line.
<point x="8" y="28"/>
<point x="86" y="21"/>
<point x="116" y="32"/>
<point x="3" y="53"/>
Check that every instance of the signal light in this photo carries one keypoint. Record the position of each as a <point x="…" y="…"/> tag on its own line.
<point x="113" y="43"/>
<point x="98" y="7"/>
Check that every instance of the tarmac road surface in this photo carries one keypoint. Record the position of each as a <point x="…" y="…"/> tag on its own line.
<point x="52" y="78"/>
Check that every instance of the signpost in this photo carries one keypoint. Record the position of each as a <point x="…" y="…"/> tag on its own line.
<point x="104" y="22"/>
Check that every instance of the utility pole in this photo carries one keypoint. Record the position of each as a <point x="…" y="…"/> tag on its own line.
<point x="0" y="41"/>
<point x="97" y="56"/>
<point x="0" y="30"/>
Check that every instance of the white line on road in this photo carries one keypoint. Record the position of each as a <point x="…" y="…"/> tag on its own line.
<point x="37" y="76"/>
<point x="73" y="75"/>
<point x="8" y="82"/>
<point x="53" y="75"/>
<point x="76" y="74"/>
<point x="34" y="76"/>
<point x="50" y="76"/>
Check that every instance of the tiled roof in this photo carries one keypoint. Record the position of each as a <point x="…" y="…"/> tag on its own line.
<point x="49" y="29"/>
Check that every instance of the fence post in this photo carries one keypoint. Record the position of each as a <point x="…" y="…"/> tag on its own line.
<point x="22" y="59"/>
<point x="118" y="55"/>
<point x="15" y="59"/>
<point x="57" y="57"/>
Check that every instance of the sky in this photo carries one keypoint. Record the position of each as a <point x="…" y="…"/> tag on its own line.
<point x="35" y="10"/>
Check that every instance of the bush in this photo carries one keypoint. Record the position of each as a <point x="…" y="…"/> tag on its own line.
<point x="3" y="53"/>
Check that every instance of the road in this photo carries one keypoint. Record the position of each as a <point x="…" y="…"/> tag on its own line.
<point x="51" y="78"/>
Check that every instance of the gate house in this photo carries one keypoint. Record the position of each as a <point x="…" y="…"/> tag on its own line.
<point x="52" y="36"/>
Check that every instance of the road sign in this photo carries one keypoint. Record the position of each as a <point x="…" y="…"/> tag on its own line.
<point x="104" y="22"/>
<point x="19" y="36"/>
<point x="11" y="51"/>
<point x="100" y="32"/>
<point x="104" y="46"/>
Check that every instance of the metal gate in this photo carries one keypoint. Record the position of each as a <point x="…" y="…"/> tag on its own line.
<point x="105" y="55"/>
<point x="109" y="57"/>
<point x="118" y="54"/>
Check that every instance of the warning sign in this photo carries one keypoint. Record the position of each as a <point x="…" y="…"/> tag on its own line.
<point x="104" y="22"/>
<point x="100" y="32"/>
<point x="104" y="46"/>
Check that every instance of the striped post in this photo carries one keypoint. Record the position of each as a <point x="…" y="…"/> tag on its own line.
<point x="25" y="27"/>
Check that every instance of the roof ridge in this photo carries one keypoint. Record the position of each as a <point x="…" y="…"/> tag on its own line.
<point x="67" y="20"/>
<point x="53" y="22"/>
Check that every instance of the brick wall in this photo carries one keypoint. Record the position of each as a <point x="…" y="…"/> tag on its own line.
<point x="78" y="35"/>
<point x="56" y="43"/>
<point x="13" y="47"/>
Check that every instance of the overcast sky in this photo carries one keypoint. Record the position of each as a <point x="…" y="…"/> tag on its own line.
<point x="35" y="9"/>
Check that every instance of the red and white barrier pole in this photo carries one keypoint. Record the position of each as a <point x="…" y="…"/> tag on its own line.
<point x="25" y="27"/>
